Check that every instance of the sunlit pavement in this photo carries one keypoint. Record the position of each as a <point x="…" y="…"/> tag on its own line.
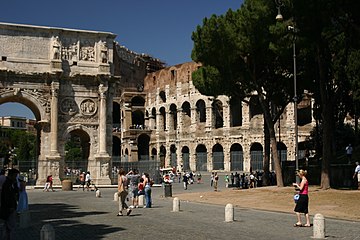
<point x="80" y="215"/>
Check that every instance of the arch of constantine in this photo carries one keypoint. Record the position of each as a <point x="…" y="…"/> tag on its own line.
<point x="127" y="107"/>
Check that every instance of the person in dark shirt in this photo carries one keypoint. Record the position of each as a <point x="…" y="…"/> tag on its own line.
<point x="9" y="197"/>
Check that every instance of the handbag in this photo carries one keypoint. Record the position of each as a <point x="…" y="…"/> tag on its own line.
<point x="296" y="197"/>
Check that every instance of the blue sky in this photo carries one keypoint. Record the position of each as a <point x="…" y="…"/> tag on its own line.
<point x="161" y="28"/>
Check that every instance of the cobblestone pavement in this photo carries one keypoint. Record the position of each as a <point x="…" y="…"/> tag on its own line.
<point x="80" y="215"/>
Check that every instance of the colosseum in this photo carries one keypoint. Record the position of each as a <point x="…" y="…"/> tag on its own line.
<point x="179" y="127"/>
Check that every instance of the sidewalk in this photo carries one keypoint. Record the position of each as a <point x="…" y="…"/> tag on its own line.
<point x="80" y="215"/>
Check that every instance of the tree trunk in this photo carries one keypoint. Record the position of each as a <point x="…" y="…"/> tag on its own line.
<point x="327" y="118"/>
<point x="266" y="179"/>
<point x="273" y="143"/>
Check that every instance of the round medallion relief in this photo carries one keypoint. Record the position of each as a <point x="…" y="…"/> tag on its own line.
<point x="88" y="107"/>
<point x="68" y="106"/>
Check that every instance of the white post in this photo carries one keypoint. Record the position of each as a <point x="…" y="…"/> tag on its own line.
<point x="47" y="232"/>
<point x="176" y="205"/>
<point x="141" y="200"/>
<point x="116" y="197"/>
<point x="319" y="226"/>
<point x="229" y="213"/>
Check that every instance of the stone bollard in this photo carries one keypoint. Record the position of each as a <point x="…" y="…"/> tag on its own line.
<point x="229" y="213"/>
<point x="141" y="200"/>
<point x="24" y="219"/>
<point x="176" y="205"/>
<point x="116" y="197"/>
<point x="319" y="226"/>
<point x="47" y="232"/>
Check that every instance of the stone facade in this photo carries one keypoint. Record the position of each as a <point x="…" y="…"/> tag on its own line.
<point x="221" y="133"/>
<point x="65" y="77"/>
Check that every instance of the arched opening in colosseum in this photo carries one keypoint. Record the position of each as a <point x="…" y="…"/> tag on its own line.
<point x="282" y="151"/>
<point x="173" y="117"/>
<point x="201" y="111"/>
<point x="173" y="156"/>
<point x="116" y="152"/>
<point x="137" y="101"/>
<point x="304" y="151"/>
<point x="143" y="147"/>
<point x="201" y="158"/>
<point x="236" y="157"/>
<point x="116" y="147"/>
<point x="126" y="155"/>
<point x="116" y="115"/>
<point x="154" y="154"/>
<point x="137" y="118"/>
<point x="162" y="119"/>
<point x="162" y="155"/>
<point x="256" y="157"/>
<point x="162" y="96"/>
<point x="304" y="113"/>
<point x="254" y="107"/>
<point x="235" y="112"/>
<point x="217" y="108"/>
<point x="186" y="114"/>
<point x="77" y="149"/>
<point x="153" y="118"/>
<point x="218" y="157"/>
<point x="185" y="152"/>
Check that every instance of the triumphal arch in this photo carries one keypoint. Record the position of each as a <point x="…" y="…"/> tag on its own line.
<point x="66" y="78"/>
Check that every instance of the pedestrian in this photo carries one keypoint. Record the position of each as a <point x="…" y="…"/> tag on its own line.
<point x="227" y="180"/>
<point x="134" y="178"/>
<point x="147" y="183"/>
<point x="23" y="197"/>
<point x="185" y="180"/>
<point x="141" y="187"/>
<point x="198" y="177"/>
<point x="216" y="179"/>
<point x="232" y="179"/>
<point x="357" y="172"/>
<point x="349" y="151"/>
<point x="87" y="180"/>
<point x="211" y="179"/>
<point x="48" y="183"/>
<point x="82" y="181"/>
<point x="302" y="205"/>
<point x="9" y="203"/>
<point x="2" y="180"/>
<point x="122" y="193"/>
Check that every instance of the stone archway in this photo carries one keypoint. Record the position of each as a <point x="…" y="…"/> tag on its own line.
<point x="62" y="75"/>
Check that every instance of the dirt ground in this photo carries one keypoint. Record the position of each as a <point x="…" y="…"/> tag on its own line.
<point x="340" y="204"/>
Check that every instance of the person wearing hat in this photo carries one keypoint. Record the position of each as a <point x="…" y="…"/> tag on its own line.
<point x="23" y="197"/>
<point x="357" y="172"/>
<point x="9" y="203"/>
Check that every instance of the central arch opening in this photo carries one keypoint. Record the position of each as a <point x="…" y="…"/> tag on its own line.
<point x="77" y="149"/>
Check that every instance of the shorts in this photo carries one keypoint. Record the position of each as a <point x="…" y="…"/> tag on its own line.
<point x="135" y="192"/>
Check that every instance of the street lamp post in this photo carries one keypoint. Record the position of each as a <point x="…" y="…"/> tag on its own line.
<point x="279" y="17"/>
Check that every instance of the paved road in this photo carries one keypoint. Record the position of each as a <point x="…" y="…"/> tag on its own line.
<point x="80" y="215"/>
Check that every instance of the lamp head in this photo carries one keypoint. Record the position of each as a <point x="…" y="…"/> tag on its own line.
<point x="279" y="17"/>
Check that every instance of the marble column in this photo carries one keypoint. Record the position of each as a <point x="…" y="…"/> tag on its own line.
<point x="102" y="120"/>
<point x="54" y="119"/>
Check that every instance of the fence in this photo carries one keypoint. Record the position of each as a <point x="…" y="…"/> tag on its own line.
<point x="201" y="161"/>
<point x="237" y="161"/>
<point x="218" y="161"/>
<point x="256" y="160"/>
